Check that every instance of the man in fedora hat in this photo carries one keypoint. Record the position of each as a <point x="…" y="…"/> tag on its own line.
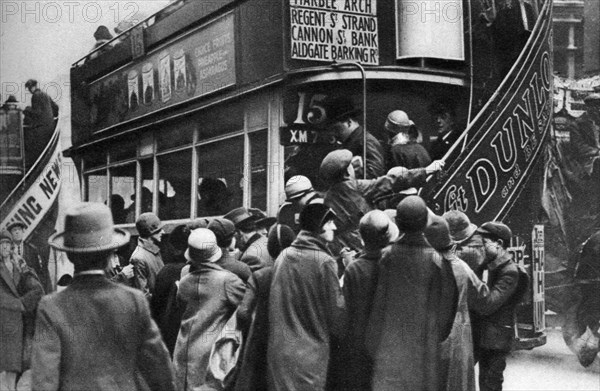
<point x="20" y="292"/>
<point x="342" y="117"/>
<point x="469" y="242"/>
<point x="306" y="306"/>
<point x="252" y="245"/>
<point x="96" y="334"/>
<point x="29" y="252"/>
<point x="412" y="309"/>
<point x="352" y="198"/>
<point x="210" y="295"/>
<point x="146" y="258"/>
<point x="353" y="367"/>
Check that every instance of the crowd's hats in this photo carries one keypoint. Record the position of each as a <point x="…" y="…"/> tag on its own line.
<point x="397" y="121"/>
<point x="179" y="236"/>
<point x="5" y="236"/>
<point x="377" y="230"/>
<point x="339" y="108"/>
<point x="335" y="164"/>
<point x="497" y="230"/>
<point x="89" y="228"/>
<point x="223" y="230"/>
<point x="592" y="99"/>
<point x="16" y="224"/>
<point x="412" y="214"/>
<point x="437" y="233"/>
<point x="297" y="186"/>
<point x="241" y="218"/>
<point x="280" y="237"/>
<point x="102" y="33"/>
<point x="148" y="224"/>
<point x="202" y="246"/>
<point x="262" y="220"/>
<point x="461" y="227"/>
<point x="11" y="99"/>
<point x="30" y="83"/>
<point x="199" y="222"/>
<point x="314" y="216"/>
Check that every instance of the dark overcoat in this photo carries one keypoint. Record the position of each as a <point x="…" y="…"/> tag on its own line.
<point x="306" y="308"/>
<point x="255" y="253"/>
<point x="98" y="335"/>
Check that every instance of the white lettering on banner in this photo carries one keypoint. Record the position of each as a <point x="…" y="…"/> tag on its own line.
<point x="537" y="244"/>
<point x="334" y="30"/>
<point x="39" y="198"/>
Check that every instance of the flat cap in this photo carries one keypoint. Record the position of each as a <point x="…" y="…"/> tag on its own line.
<point x="335" y="164"/>
<point x="496" y="229"/>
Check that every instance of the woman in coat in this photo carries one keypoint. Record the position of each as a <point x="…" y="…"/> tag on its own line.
<point x="210" y="295"/>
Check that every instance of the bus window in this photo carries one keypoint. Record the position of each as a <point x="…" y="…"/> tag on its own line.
<point x="97" y="186"/>
<point x="122" y="191"/>
<point x="259" y="169"/>
<point x="175" y="185"/>
<point x="220" y="186"/>
<point x="147" y="179"/>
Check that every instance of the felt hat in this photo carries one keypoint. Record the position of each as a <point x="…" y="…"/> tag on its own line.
<point x="262" y="220"/>
<point x="31" y="83"/>
<point x="496" y="229"/>
<point x="339" y="108"/>
<point x="461" y="227"/>
<point x="202" y="246"/>
<point x="223" y="230"/>
<point x="5" y="236"/>
<point x="397" y="121"/>
<point x="89" y="228"/>
<point x="437" y="233"/>
<point x="11" y="99"/>
<point x="377" y="230"/>
<point x="297" y="186"/>
<point x="335" y="164"/>
<point x="148" y="224"/>
<point x="280" y="237"/>
<point x="15" y="224"/>
<point x="412" y="214"/>
<point x="314" y="216"/>
<point x="241" y="218"/>
<point x="102" y="33"/>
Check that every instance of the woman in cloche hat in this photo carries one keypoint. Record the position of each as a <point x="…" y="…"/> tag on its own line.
<point x="94" y="318"/>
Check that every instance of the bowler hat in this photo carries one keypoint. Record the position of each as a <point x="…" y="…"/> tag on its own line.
<point x="241" y="218"/>
<point x="15" y="224"/>
<point x="335" y="165"/>
<point x="202" y="246"/>
<point x="314" y="216"/>
<point x="89" y="228"/>
<point x="396" y="121"/>
<point x="297" y="186"/>
<point x="5" y="236"/>
<point x="223" y="230"/>
<point x="412" y="214"/>
<point x="377" y="230"/>
<point x="11" y="99"/>
<point x="30" y="83"/>
<point x="461" y="227"/>
<point x="280" y="237"/>
<point x="437" y="233"/>
<point x="148" y="224"/>
<point x="497" y="230"/>
<point x="339" y="108"/>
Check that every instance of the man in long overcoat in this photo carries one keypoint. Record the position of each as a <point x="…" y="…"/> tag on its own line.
<point x="306" y="306"/>
<point x="412" y="310"/>
<point x="96" y="334"/>
<point x="20" y="292"/>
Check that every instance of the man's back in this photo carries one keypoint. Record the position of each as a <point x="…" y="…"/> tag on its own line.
<point x="98" y="335"/>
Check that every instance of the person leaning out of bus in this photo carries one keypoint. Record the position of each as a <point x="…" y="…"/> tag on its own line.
<point x="493" y="326"/>
<point x="352" y="198"/>
<point x="20" y="292"/>
<point x="342" y="118"/>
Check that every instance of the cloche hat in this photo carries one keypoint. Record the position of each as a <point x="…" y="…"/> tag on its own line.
<point x="202" y="246"/>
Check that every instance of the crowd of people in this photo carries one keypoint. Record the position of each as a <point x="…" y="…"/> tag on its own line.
<point x="321" y="297"/>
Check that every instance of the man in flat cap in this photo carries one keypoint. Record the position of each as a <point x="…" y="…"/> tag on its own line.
<point x="342" y="117"/>
<point x="96" y="334"/>
<point x="352" y="198"/>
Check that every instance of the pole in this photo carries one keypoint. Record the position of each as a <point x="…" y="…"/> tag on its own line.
<point x="336" y="65"/>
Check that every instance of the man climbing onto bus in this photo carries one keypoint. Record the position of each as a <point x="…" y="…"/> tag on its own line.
<point x="43" y="110"/>
<point x="342" y="118"/>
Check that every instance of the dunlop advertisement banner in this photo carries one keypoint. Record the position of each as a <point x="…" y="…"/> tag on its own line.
<point x="504" y="141"/>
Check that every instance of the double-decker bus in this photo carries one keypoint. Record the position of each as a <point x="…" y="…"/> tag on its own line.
<point x="208" y="106"/>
